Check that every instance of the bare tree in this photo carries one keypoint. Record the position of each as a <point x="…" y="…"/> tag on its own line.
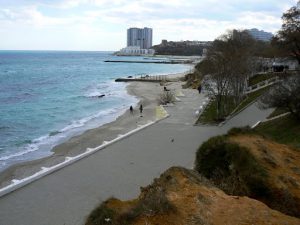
<point x="239" y="52"/>
<point x="217" y="81"/>
<point x="228" y="66"/>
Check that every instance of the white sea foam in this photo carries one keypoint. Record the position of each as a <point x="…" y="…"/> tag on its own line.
<point x="75" y="127"/>
<point x="82" y="122"/>
<point x="42" y="138"/>
<point x="74" y="124"/>
<point x="68" y="160"/>
<point x="28" y="149"/>
<point x="2" y="163"/>
<point x="110" y="88"/>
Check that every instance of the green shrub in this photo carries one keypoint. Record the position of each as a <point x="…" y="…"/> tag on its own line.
<point x="231" y="167"/>
<point x="259" y="78"/>
<point x="153" y="202"/>
<point x="211" y="156"/>
<point x="102" y="215"/>
<point x="240" y="130"/>
<point x="285" y="130"/>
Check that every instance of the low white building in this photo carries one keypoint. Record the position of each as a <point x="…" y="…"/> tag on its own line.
<point x="283" y="64"/>
<point x="135" y="50"/>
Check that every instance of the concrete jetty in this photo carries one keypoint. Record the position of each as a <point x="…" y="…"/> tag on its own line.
<point x="144" y="78"/>
<point x="156" y="62"/>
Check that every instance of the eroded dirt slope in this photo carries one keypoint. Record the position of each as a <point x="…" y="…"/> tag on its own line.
<point x="282" y="164"/>
<point x="182" y="196"/>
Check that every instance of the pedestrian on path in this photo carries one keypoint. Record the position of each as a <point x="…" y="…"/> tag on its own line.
<point x="199" y="88"/>
<point x="131" y="110"/>
<point x="141" y="110"/>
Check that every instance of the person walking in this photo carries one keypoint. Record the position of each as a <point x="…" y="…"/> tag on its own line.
<point x="131" y="110"/>
<point x="199" y="88"/>
<point x="141" y="110"/>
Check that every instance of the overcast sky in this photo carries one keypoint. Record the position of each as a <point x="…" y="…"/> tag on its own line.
<point x="102" y="24"/>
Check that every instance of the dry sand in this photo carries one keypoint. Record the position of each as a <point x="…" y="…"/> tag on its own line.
<point x="148" y="94"/>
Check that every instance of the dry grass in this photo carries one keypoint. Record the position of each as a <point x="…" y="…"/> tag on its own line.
<point x="166" y="97"/>
<point x="152" y="202"/>
<point x="102" y="215"/>
<point x="279" y="161"/>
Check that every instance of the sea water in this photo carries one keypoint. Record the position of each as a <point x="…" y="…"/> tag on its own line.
<point x="46" y="97"/>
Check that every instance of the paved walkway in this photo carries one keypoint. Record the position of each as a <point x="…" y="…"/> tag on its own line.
<point x="67" y="196"/>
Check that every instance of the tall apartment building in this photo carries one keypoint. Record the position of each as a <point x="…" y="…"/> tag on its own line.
<point x="139" y="37"/>
<point x="260" y="34"/>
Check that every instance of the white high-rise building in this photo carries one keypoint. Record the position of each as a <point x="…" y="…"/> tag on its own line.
<point x="260" y="34"/>
<point x="139" y="37"/>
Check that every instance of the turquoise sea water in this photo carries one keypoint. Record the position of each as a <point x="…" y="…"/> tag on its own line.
<point x="48" y="96"/>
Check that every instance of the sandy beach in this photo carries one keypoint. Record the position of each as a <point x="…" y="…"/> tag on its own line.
<point x="147" y="93"/>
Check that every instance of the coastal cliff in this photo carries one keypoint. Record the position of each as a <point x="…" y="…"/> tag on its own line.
<point x="181" y="196"/>
<point x="239" y="178"/>
<point x="246" y="164"/>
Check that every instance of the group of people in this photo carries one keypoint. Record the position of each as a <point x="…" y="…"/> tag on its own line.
<point x="140" y="108"/>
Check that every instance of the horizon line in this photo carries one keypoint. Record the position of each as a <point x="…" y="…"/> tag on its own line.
<point x="61" y="50"/>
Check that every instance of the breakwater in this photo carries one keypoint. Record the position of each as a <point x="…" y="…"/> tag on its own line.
<point x="145" y="78"/>
<point x="155" y="62"/>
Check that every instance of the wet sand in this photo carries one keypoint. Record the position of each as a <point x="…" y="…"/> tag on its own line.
<point x="147" y="93"/>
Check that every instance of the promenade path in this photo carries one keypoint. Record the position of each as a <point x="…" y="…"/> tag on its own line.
<point x="67" y="196"/>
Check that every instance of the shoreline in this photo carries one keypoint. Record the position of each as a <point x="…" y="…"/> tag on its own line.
<point x="146" y="93"/>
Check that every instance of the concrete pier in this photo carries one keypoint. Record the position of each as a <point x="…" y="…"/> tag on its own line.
<point x="156" y="62"/>
<point x="144" y="78"/>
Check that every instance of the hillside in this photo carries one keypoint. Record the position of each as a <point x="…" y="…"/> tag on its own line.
<point x="178" y="50"/>
<point x="181" y="196"/>
<point x="246" y="164"/>
<point x="183" y="48"/>
<point x="282" y="164"/>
